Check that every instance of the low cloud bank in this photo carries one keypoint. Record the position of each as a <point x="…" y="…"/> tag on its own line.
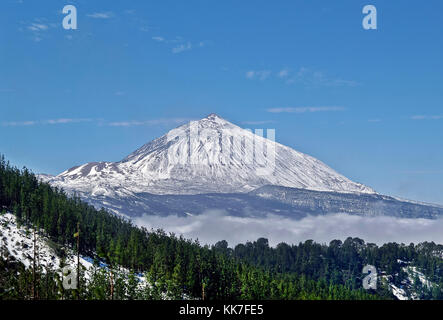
<point x="216" y="225"/>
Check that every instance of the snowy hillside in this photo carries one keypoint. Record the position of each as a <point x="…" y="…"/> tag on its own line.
<point x="19" y="243"/>
<point x="209" y="155"/>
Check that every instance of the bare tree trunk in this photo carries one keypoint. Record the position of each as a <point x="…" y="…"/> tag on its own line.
<point x="78" y="260"/>
<point x="111" y="279"/>
<point x="34" y="295"/>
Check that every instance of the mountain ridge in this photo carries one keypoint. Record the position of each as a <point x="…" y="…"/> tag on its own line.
<point x="208" y="155"/>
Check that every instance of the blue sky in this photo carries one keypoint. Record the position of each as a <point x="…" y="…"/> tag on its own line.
<point x="366" y="102"/>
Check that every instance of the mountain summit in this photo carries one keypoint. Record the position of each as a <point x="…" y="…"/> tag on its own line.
<point x="209" y="155"/>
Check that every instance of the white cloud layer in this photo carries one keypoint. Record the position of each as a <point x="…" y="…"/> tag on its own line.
<point x="216" y="225"/>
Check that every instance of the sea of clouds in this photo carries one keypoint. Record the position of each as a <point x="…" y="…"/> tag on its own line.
<point x="216" y="225"/>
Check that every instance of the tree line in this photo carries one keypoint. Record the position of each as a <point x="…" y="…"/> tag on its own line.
<point x="173" y="265"/>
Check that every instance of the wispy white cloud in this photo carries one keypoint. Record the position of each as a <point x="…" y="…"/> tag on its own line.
<point x="303" y="76"/>
<point x="66" y="120"/>
<point x="341" y="83"/>
<point x="100" y="15"/>
<point x="151" y="122"/>
<point x="259" y="122"/>
<point x="178" y="44"/>
<point x="258" y="74"/>
<point x="250" y="74"/>
<point x="174" y="41"/>
<point x="38" y="27"/>
<point x="128" y="123"/>
<point x="283" y="73"/>
<point x="158" y="39"/>
<point x="182" y="47"/>
<point x="43" y="122"/>
<point x="305" y="109"/>
<point x="419" y="172"/>
<point x="427" y="117"/>
<point x="18" y="123"/>
<point x="309" y="77"/>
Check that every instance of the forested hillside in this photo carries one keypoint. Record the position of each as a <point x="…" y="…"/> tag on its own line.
<point x="180" y="267"/>
<point x="342" y="262"/>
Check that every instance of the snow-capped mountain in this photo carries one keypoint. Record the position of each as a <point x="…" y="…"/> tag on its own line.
<point x="209" y="155"/>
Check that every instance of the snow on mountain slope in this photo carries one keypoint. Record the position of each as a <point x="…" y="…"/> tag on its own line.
<point x="209" y="155"/>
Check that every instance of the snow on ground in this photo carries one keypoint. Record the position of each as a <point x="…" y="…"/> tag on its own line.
<point x="405" y="291"/>
<point x="399" y="293"/>
<point x="19" y="242"/>
<point x="413" y="272"/>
